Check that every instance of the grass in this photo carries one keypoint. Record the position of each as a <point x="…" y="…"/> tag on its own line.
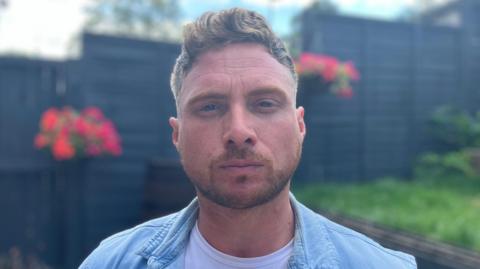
<point x="447" y="210"/>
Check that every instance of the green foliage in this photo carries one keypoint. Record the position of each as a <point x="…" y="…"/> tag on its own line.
<point x="459" y="134"/>
<point x="445" y="210"/>
<point x="441" y="203"/>
<point x="455" y="128"/>
<point x="455" y="164"/>
<point x="158" y="19"/>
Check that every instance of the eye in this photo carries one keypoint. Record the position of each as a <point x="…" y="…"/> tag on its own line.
<point x="266" y="105"/>
<point x="209" y="107"/>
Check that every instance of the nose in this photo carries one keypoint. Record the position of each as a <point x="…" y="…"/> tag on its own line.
<point x="239" y="130"/>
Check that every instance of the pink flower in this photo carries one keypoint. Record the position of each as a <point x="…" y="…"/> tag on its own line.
<point x="93" y="112"/>
<point x="49" y="119"/>
<point x="346" y="92"/>
<point x="82" y="126"/>
<point x="41" y="141"/>
<point x="337" y="74"/>
<point x="62" y="148"/>
<point x="351" y="71"/>
<point x="309" y="61"/>
<point x="113" y="147"/>
<point x="93" y="150"/>
<point x="70" y="134"/>
<point x="323" y="65"/>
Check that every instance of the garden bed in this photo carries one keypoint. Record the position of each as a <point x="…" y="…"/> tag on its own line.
<point x="446" y="211"/>
<point x="428" y="253"/>
<point x="435" y="220"/>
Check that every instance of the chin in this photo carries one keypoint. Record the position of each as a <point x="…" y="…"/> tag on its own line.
<point x="242" y="197"/>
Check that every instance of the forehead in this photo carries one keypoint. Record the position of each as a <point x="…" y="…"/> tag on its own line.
<point x="249" y="64"/>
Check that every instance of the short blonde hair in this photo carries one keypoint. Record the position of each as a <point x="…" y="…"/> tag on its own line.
<point x="218" y="29"/>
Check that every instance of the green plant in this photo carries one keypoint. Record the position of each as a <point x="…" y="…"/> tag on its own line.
<point x="453" y="164"/>
<point x="441" y="209"/>
<point x="455" y="128"/>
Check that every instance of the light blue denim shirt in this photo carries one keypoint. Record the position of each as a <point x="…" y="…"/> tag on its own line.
<point x="318" y="243"/>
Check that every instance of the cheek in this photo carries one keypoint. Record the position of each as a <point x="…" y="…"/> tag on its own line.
<point x="282" y="139"/>
<point x="196" y="144"/>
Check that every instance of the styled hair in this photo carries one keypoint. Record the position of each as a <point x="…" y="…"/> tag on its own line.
<point x="218" y="29"/>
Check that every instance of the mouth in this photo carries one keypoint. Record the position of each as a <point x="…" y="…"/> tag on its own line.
<point x="240" y="165"/>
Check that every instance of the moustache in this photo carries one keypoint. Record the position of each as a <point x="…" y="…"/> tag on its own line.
<point x="236" y="153"/>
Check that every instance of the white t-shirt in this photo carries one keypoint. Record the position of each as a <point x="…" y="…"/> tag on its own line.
<point x="201" y="255"/>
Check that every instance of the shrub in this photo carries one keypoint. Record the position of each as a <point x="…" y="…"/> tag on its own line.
<point x="455" y="164"/>
<point x="455" y="128"/>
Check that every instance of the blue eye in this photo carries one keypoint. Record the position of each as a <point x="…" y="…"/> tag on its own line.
<point x="209" y="107"/>
<point x="265" y="103"/>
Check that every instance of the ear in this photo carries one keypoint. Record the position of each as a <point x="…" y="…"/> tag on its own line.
<point x="175" y="129"/>
<point x="300" y="111"/>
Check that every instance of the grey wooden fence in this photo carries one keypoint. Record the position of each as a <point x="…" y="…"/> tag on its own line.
<point x="129" y="81"/>
<point x="407" y="70"/>
<point x="29" y="218"/>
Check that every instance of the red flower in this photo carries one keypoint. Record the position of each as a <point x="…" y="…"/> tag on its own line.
<point x="88" y="133"/>
<point x="94" y="150"/>
<point x="113" y="147"/>
<point x="41" y="141"/>
<point x="310" y="63"/>
<point x="330" y="70"/>
<point x="82" y="126"/>
<point x="62" y="148"/>
<point x="346" y="92"/>
<point x="337" y="74"/>
<point x="93" y="112"/>
<point x="49" y="119"/>
<point x="351" y="71"/>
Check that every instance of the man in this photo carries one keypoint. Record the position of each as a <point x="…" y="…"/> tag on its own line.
<point x="239" y="135"/>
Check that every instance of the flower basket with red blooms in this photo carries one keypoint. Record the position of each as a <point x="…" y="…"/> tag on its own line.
<point x="71" y="134"/>
<point x="326" y="73"/>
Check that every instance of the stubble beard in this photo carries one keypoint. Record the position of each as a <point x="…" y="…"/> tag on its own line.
<point x="273" y="183"/>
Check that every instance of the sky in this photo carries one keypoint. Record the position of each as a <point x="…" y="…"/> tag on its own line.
<point x="50" y="28"/>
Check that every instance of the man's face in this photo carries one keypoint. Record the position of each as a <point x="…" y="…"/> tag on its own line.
<point x="238" y="133"/>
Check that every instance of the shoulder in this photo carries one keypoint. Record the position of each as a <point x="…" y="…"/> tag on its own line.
<point x="122" y="249"/>
<point x="356" y="249"/>
<point x="353" y="249"/>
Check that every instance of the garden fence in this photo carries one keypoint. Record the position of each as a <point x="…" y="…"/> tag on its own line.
<point x="406" y="71"/>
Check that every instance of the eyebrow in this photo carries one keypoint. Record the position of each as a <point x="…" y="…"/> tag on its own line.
<point x="267" y="90"/>
<point x="221" y="96"/>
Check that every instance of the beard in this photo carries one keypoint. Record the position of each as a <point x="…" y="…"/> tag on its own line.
<point x="272" y="181"/>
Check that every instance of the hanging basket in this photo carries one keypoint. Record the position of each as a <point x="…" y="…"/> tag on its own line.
<point x="314" y="84"/>
<point x="309" y="87"/>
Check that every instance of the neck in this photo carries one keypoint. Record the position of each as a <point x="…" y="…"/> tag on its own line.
<point x="249" y="232"/>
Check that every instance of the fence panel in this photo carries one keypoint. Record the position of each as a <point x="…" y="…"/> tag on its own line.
<point x="30" y="219"/>
<point x="406" y="72"/>
<point x="129" y="80"/>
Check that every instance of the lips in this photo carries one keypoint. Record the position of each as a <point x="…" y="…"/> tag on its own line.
<point x="240" y="164"/>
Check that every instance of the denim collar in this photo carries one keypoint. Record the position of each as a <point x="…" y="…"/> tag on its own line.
<point x="312" y="246"/>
